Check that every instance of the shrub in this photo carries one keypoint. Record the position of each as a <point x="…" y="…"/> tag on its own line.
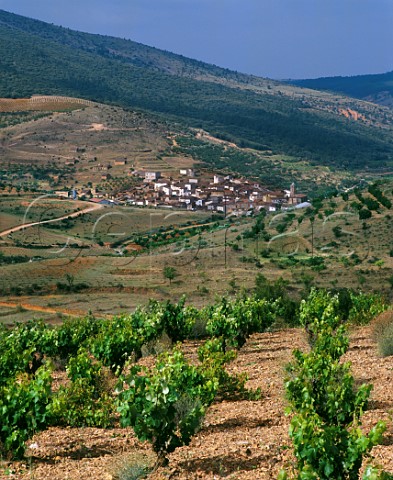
<point x="23" y="348"/>
<point x="325" y="429"/>
<point x="147" y="323"/>
<point x="365" y="307"/>
<point x="131" y="466"/>
<point x="74" y="333"/>
<point x="86" y="401"/>
<point x="364" y="214"/>
<point x="383" y="332"/>
<point x="199" y="325"/>
<point x="316" y="310"/>
<point x="380" y="323"/>
<point x="116" y="342"/>
<point x="167" y="404"/>
<point x="234" y="321"/>
<point x="213" y="361"/>
<point x="344" y="301"/>
<point x="176" y="319"/>
<point x="24" y="403"/>
<point x="124" y="336"/>
<point x="78" y="405"/>
<point x="337" y="230"/>
<point x="385" y="342"/>
<point x="276" y="294"/>
<point x="373" y="473"/>
<point x="224" y="325"/>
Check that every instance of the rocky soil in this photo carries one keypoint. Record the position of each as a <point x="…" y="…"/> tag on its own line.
<point x="239" y="439"/>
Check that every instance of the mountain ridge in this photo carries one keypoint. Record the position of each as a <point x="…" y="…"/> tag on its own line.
<point x="39" y="58"/>
<point x="376" y="88"/>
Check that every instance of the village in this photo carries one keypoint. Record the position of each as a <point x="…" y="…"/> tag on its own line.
<point x="191" y="191"/>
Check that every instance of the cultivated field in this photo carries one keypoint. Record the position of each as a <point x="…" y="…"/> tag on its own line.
<point x="239" y="439"/>
<point x="118" y="254"/>
<point x="42" y="103"/>
<point x="218" y="260"/>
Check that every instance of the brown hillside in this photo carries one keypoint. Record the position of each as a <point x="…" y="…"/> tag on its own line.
<point x="42" y="103"/>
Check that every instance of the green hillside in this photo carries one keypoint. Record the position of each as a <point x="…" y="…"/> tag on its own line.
<point x="376" y="88"/>
<point x="38" y="58"/>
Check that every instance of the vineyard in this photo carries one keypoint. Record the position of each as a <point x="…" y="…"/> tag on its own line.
<point x="42" y="103"/>
<point x="163" y="369"/>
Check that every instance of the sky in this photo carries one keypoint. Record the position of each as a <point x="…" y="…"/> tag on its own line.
<point x="278" y="39"/>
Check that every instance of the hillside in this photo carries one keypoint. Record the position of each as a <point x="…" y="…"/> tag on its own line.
<point x="67" y="141"/>
<point x="239" y="439"/>
<point x="374" y="88"/>
<point x="212" y="256"/>
<point x="38" y="58"/>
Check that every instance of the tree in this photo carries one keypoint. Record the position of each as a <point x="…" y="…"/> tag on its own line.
<point x="70" y="281"/>
<point x="364" y="213"/>
<point x="169" y="273"/>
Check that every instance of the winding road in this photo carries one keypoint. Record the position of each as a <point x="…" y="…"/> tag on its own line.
<point x="52" y="220"/>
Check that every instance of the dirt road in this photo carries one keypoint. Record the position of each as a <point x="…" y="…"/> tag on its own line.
<point x="92" y="208"/>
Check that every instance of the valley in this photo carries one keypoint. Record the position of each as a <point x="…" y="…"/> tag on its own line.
<point x="170" y="231"/>
<point x="117" y="252"/>
<point x="249" y="111"/>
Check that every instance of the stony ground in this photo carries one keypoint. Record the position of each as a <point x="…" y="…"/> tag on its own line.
<point x="239" y="439"/>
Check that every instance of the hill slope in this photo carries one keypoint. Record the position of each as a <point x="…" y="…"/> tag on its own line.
<point x="374" y="88"/>
<point x="242" y="439"/>
<point x="38" y="58"/>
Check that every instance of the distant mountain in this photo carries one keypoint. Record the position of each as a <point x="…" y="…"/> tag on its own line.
<point x="39" y="58"/>
<point x="374" y="88"/>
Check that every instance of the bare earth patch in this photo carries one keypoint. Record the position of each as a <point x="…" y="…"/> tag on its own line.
<point x="98" y="127"/>
<point x="239" y="439"/>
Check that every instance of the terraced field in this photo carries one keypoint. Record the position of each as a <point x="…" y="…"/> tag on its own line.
<point x="44" y="103"/>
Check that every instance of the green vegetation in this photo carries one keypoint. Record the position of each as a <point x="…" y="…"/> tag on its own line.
<point x="165" y="404"/>
<point x="169" y="273"/>
<point x="115" y="71"/>
<point x="326" y="245"/>
<point x="86" y="401"/>
<point x="228" y="159"/>
<point x="132" y="466"/>
<point x="325" y="428"/>
<point x="7" y="119"/>
<point x="24" y="403"/>
<point x="213" y="362"/>
<point x="12" y="259"/>
<point x="375" y="190"/>
<point x="385" y="342"/>
<point x="365" y="307"/>
<point x="277" y="134"/>
<point x="377" y="87"/>
<point x="234" y="322"/>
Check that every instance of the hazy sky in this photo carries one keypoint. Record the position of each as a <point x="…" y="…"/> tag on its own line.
<point x="271" y="38"/>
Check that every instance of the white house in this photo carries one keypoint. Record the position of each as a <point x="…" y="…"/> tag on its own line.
<point x="218" y="179"/>
<point x="187" y="171"/>
<point x="152" y="176"/>
<point x="178" y="190"/>
<point x="167" y="190"/>
<point x="159" y="186"/>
